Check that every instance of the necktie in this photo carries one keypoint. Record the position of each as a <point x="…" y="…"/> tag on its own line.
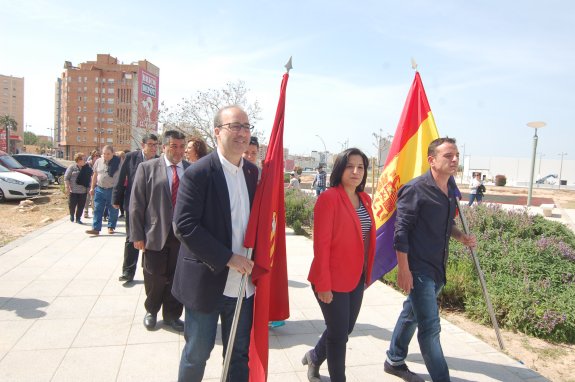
<point x="175" y="184"/>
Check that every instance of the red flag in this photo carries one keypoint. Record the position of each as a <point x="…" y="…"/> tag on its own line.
<point x="266" y="234"/>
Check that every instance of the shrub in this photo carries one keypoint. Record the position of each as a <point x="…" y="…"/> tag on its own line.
<point x="500" y="180"/>
<point x="299" y="210"/>
<point x="529" y="268"/>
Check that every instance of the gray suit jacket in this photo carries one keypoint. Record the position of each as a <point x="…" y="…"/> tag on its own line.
<point x="151" y="204"/>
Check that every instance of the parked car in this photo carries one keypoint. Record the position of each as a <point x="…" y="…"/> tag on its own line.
<point x="15" y="185"/>
<point x="13" y="165"/>
<point x="42" y="163"/>
<point x="549" y="179"/>
<point x="51" y="178"/>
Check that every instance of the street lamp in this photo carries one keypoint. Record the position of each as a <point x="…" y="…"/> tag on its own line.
<point x="324" y="150"/>
<point x="535" y="125"/>
<point x="561" y="167"/>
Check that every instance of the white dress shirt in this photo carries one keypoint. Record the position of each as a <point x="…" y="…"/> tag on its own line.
<point x="240" y="211"/>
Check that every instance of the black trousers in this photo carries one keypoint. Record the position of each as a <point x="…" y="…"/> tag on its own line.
<point x="340" y="316"/>
<point x="130" y="253"/>
<point x="76" y="204"/>
<point x="159" y="269"/>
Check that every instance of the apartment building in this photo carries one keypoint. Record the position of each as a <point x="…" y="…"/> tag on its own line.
<point x="105" y="102"/>
<point x="12" y="104"/>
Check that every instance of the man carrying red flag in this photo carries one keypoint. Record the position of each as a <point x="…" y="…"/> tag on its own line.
<point x="425" y="221"/>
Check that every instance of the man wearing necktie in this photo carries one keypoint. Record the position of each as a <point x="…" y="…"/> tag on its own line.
<point x="152" y="204"/>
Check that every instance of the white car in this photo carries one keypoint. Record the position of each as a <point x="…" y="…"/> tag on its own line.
<point x="14" y="185"/>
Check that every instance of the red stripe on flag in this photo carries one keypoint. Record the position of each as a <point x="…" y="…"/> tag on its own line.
<point x="266" y="234"/>
<point x="414" y="113"/>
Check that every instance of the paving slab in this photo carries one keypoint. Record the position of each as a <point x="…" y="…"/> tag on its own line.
<point x="64" y="316"/>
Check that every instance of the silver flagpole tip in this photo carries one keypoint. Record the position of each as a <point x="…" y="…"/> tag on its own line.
<point x="413" y="64"/>
<point x="288" y="66"/>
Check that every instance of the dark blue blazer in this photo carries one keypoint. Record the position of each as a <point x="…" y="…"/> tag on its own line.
<point x="203" y="224"/>
<point x="121" y="193"/>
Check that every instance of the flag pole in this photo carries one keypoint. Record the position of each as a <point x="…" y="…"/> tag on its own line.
<point x="241" y="293"/>
<point x="232" y="338"/>
<point x="481" y="279"/>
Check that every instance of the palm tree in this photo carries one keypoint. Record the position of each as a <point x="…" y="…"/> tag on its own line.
<point x="9" y="123"/>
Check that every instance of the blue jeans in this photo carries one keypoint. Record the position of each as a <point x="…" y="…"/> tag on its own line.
<point x="103" y="199"/>
<point x="319" y="190"/>
<point x="473" y="197"/>
<point x="420" y="311"/>
<point x="200" y="334"/>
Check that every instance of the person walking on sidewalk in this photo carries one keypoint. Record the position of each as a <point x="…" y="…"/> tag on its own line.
<point x="425" y="222"/>
<point x="476" y="189"/>
<point x="103" y="180"/>
<point x="121" y="195"/>
<point x="320" y="181"/>
<point x="210" y="220"/>
<point x="344" y="247"/>
<point x="94" y="155"/>
<point x="77" y="182"/>
<point x="151" y="211"/>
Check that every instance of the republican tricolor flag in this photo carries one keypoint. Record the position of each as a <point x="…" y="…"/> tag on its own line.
<point x="266" y="234"/>
<point x="406" y="160"/>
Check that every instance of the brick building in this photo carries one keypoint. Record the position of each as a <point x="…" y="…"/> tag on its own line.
<point x="12" y="104"/>
<point x="104" y="102"/>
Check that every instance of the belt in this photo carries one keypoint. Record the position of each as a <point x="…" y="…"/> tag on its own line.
<point x="104" y="188"/>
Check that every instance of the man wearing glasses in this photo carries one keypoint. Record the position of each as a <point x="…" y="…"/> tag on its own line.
<point x="121" y="195"/>
<point x="210" y="219"/>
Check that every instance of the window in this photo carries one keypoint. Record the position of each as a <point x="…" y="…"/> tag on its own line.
<point x="78" y="139"/>
<point x="85" y="109"/>
<point x="110" y="140"/>
<point x="85" y="121"/>
<point x="78" y="129"/>
<point x="96" y="90"/>
<point x="97" y="99"/>
<point x="110" y="101"/>
<point x="109" y="131"/>
<point x="110" y="111"/>
<point x="110" y="90"/>
<point x="110" y="120"/>
<point x="111" y="81"/>
<point x="95" y="139"/>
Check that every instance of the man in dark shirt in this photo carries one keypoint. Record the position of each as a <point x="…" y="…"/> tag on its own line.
<point x="425" y="221"/>
<point x="121" y="195"/>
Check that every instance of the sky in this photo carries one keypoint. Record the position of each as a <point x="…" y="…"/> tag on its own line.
<point x="488" y="67"/>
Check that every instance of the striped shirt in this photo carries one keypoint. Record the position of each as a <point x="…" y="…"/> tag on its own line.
<point x="364" y="219"/>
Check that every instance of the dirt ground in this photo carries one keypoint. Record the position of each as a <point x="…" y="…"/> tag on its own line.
<point x="553" y="361"/>
<point x="52" y="205"/>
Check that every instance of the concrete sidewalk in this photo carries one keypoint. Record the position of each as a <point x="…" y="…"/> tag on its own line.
<point x="65" y="317"/>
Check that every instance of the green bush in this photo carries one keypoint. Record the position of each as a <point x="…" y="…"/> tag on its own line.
<point x="299" y="210"/>
<point x="529" y="268"/>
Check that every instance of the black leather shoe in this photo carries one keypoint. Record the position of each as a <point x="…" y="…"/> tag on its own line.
<point x="312" y="369"/>
<point x="177" y="324"/>
<point x="126" y="278"/>
<point x="402" y="372"/>
<point x="150" y="321"/>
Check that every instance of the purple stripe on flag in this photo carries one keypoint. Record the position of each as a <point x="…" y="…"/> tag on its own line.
<point x="385" y="258"/>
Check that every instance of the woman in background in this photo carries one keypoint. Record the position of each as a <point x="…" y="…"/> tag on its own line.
<point x="195" y="149"/>
<point x="344" y="247"/>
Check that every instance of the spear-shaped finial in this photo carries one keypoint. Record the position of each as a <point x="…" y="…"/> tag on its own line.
<point x="413" y="64"/>
<point x="288" y="66"/>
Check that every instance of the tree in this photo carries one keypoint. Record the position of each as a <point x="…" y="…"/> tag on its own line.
<point x="194" y="115"/>
<point x="30" y="138"/>
<point x="8" y="123"/>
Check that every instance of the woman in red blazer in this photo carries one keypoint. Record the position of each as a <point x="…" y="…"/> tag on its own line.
<point x="344" y="246"/>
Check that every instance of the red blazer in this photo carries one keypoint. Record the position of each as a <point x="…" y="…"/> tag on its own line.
<point x="337" y="242"/>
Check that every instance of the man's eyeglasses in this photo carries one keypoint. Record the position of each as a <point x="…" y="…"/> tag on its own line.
<point x="236" y="126"/>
